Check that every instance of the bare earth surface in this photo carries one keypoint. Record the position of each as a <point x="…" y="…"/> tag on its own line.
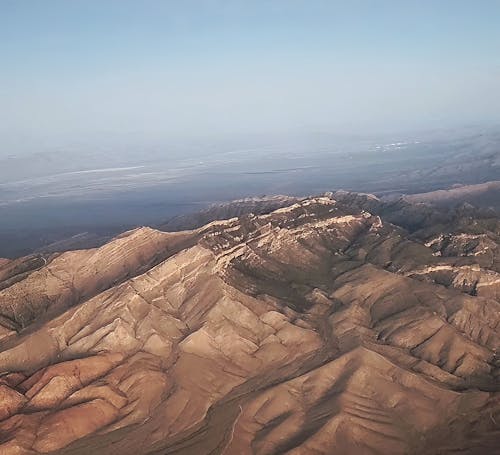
<point x="481" y="195"/>
<point x="337" y="324"/>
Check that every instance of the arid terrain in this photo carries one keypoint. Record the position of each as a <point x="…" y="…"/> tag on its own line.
<point x="337" y="324"/>
<point x="480" y="195"/>
<point x="61" y="200"/>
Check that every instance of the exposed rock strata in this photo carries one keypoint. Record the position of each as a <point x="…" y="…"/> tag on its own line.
<point x="327" y="326"/>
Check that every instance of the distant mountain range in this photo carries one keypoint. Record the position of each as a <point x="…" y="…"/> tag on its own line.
<point x="51" y="196"/>
<point x="486" y="195"/>
<point x="482" y="196"/>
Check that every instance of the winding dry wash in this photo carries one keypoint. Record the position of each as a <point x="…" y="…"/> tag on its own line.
<point x="333" y="324"/>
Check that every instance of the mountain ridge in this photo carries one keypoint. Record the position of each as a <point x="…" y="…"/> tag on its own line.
<point x="334" y="323"/>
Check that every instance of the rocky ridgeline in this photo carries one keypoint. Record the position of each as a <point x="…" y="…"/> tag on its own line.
<point x="334" y="324"/>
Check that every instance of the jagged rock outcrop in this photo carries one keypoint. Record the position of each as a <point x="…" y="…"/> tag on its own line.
<point x="326" y="326"/>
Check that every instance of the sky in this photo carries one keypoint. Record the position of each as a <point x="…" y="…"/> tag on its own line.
<point x="87" y="69"/>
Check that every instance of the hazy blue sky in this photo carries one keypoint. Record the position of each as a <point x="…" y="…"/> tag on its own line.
<point x="77" y="68"/>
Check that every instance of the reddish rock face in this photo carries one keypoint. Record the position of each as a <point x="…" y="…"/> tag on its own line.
<point x="333" y="325"/>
